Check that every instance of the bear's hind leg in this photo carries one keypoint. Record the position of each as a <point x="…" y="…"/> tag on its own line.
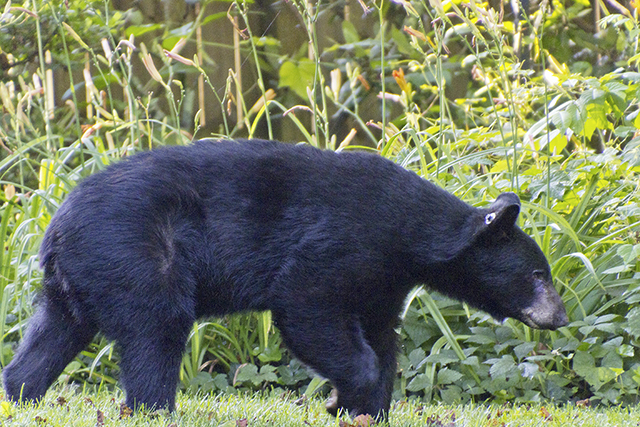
<point x="52" y="339"/>
<point x="150" y="363"/>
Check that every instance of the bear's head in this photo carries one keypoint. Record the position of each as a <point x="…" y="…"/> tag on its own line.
<point x="501" y="270"/>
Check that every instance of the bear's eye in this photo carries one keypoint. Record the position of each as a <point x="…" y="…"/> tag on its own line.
<point x="539" y="275"/>
<point x="489" y="218"/>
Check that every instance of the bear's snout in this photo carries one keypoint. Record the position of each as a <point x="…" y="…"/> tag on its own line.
<point x="547" y="310"/>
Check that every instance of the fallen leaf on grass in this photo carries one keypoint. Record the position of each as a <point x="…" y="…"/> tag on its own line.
<point x="100" y="418"/>
<point x="447" y="420"/>
<point x="242" y="423"/>
<point x="125" y="411"/>
<point x="583" y="403"/>
<point x="545" y="414"/>
<point x="363" y="420"/>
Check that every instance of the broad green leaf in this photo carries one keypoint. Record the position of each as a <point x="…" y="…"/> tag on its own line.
<point x="542" y="142"/>
<point x="448" y="376"/>
<point x="270" y="354"/>
<point x="502" y="367"/>
<point x="499" y="166"/>
<point x="598" y="113"/>
<point x="636" y="122"/>
<point x="267" y="373"/>
<point x="524" y="349"/>
<point x="590" y="126"/>
<point x="611" y="360"/>
<point x="297" y="76"/>
<point x="451" y="395"/>
<point x="629" y="253"/>
<point x="220" y="381"/>
<point x="248" y="372"/>
<point x="138" y="30"/>
<point x="633" y="322"/>
<point x="419" y="382"/>
<point x="528" y="369"/>
<point x="443" y="358"/>
<point x="416" y="357"/>
<point x="558" y="143"/>
<point x="400" y="37"/>
<point x="349" y="32"/>
<point x="583" y="363"/>
<point x="625" y="350"/>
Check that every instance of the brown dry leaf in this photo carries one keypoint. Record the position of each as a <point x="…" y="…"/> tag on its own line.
<point x="419" y="410"/>
<point x="363" y="420"/>
<point x="496" y="422"/>
<point x="433" y="421"/>
<point x="125" y="411"/>
<point x="99" y="418"/>
<point x="583" y="403"/>
<point x="448" y="420"/>
<point x="545" y="414"/>
<point x="242" y="423"/>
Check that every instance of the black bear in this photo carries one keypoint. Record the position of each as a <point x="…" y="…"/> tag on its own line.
<point x="331" y="243"/>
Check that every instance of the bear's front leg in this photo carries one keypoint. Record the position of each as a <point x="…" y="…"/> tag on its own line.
<point x="333" y="344"/>
<point x="384" y="343"/>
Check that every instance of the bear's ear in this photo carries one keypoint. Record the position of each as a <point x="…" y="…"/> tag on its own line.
<point x="503" y="213"/>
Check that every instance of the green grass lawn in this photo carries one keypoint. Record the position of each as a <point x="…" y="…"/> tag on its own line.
<point x="66" y="408"/>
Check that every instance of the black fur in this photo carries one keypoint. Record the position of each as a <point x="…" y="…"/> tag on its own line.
<point x="330" y="243"/>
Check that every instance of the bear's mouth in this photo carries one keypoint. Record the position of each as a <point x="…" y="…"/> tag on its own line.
<point x="545" y="317"/>
<point x="546" y="311"/>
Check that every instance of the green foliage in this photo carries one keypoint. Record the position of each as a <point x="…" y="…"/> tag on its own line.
<point x="439" y="88"/>
<point x="589" y="233"/>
